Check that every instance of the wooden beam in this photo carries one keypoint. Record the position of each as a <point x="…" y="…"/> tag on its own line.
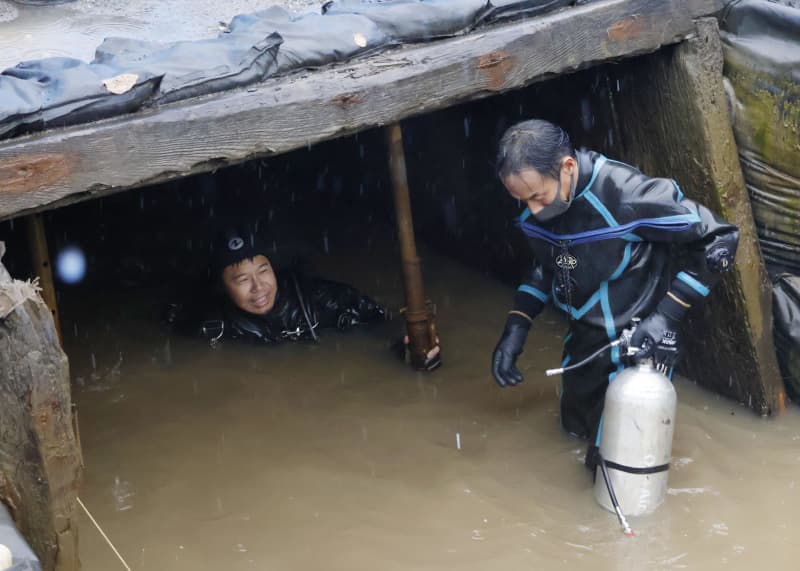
<point x="40" y="257"/>
<point x="677" y="125"/>
<point x="285" y="113"/>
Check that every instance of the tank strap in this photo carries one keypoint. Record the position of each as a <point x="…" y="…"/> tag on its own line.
<point x="632" y="470"/>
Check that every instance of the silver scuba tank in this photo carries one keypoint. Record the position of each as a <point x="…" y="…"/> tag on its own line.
<point x="636" y="439"/>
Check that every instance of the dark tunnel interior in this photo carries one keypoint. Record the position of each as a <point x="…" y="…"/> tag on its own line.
<point x="155" y="241"/>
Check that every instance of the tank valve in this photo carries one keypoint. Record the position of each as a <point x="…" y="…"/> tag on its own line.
<point x="624" y="342"/>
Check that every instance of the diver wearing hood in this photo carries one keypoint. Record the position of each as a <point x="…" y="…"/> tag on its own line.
<point x="265" y="304"/>
<point x="601" y="232"/>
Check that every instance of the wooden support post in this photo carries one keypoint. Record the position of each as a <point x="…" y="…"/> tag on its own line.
<point x="419" y="320"/>
<point x="40" y="256"/>
<point x="675" y="123"/>
<point x="40" y="464"/>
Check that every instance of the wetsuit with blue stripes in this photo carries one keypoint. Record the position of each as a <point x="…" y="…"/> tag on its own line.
<point x="605" y="261"/>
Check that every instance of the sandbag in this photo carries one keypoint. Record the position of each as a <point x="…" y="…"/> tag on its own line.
<point x="505" y="9"/>
<point x="786" y="331"/>
<point x="761" y="44"/>
<point x="414" y="20"/>
<point x="244" y="55"/>
<point x="64" y="91"/>
<point x="257" y="46"/>
<point x="309" y="40"/>
<point x="61" y="91"/>
<point x="422" y="20"/>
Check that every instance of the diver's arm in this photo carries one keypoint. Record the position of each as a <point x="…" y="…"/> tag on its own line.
<point x="532" y="294"/>
<point x="529" y="301"/>
<point x="710" y="244"/>
<point x="340" y="305"/>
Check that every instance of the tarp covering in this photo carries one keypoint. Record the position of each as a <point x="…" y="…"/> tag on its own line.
<point x="761" y="41"/>
<point x="128" y="74"/>
<point x="786" y="329"/>
<point x="23" y="558"/>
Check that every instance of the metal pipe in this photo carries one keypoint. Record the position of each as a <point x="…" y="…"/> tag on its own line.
<point x="419" y="320"/>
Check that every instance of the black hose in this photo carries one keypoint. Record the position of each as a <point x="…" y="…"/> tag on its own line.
<point x="622" y="521"/>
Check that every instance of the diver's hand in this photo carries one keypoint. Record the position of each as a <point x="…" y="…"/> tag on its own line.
<point x="504" y="358"/>
<point x="657" y="336"/>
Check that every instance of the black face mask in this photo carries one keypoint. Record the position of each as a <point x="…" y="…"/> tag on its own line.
<point x="559" y="206"/>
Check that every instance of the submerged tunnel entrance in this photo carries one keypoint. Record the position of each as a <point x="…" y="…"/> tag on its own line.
<point x="251" y="457"/>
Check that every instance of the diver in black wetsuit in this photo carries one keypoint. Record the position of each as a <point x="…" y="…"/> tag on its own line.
<point x="268" y="305"/>
<point x="601" y="232"/>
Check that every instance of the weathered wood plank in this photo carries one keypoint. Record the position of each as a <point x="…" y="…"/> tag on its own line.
<point x="40" y="463"/>
<point x="677" y="125"/>
<point x="286" y="113"/>
<point x="40" y="257"/>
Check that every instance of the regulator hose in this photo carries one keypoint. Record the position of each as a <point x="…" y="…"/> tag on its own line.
<point x="560" y="370"/>
<point x="303" y="307"/>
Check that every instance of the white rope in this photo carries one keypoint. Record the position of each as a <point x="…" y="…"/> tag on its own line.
<point x="104" y="535"/>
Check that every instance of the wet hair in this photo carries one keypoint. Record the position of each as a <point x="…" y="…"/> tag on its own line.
<point x="533" y="144"/>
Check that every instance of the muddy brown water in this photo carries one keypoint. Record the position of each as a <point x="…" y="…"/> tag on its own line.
<point x="336" y="456"/>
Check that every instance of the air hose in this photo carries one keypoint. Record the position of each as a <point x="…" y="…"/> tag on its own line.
<point x="560" y="370"/>
<point x="303" y="307"/>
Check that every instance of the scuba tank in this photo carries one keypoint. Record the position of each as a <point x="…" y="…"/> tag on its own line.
<point x="636" y="439"/>
<point x="635" y="435"/>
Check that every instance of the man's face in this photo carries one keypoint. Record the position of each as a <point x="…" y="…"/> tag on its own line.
<point x="251" y="285"/>
<point x="537" y="191"/>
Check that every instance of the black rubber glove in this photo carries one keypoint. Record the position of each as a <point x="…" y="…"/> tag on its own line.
<point x="658" y="336"/>
<point x="504" y="358"/>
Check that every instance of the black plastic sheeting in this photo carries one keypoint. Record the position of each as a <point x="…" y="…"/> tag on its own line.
<point x="761" y="41"/>
<point x="53" y="92"/>
<point x="786" y="330"/>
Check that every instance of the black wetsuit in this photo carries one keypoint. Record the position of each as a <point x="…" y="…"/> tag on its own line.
<point x="605" y="261"/>
<point x="302" y="306"/>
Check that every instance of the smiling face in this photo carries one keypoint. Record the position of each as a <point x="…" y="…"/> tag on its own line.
<point x="251" y="285"/>
<point x="538" y="191"/>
